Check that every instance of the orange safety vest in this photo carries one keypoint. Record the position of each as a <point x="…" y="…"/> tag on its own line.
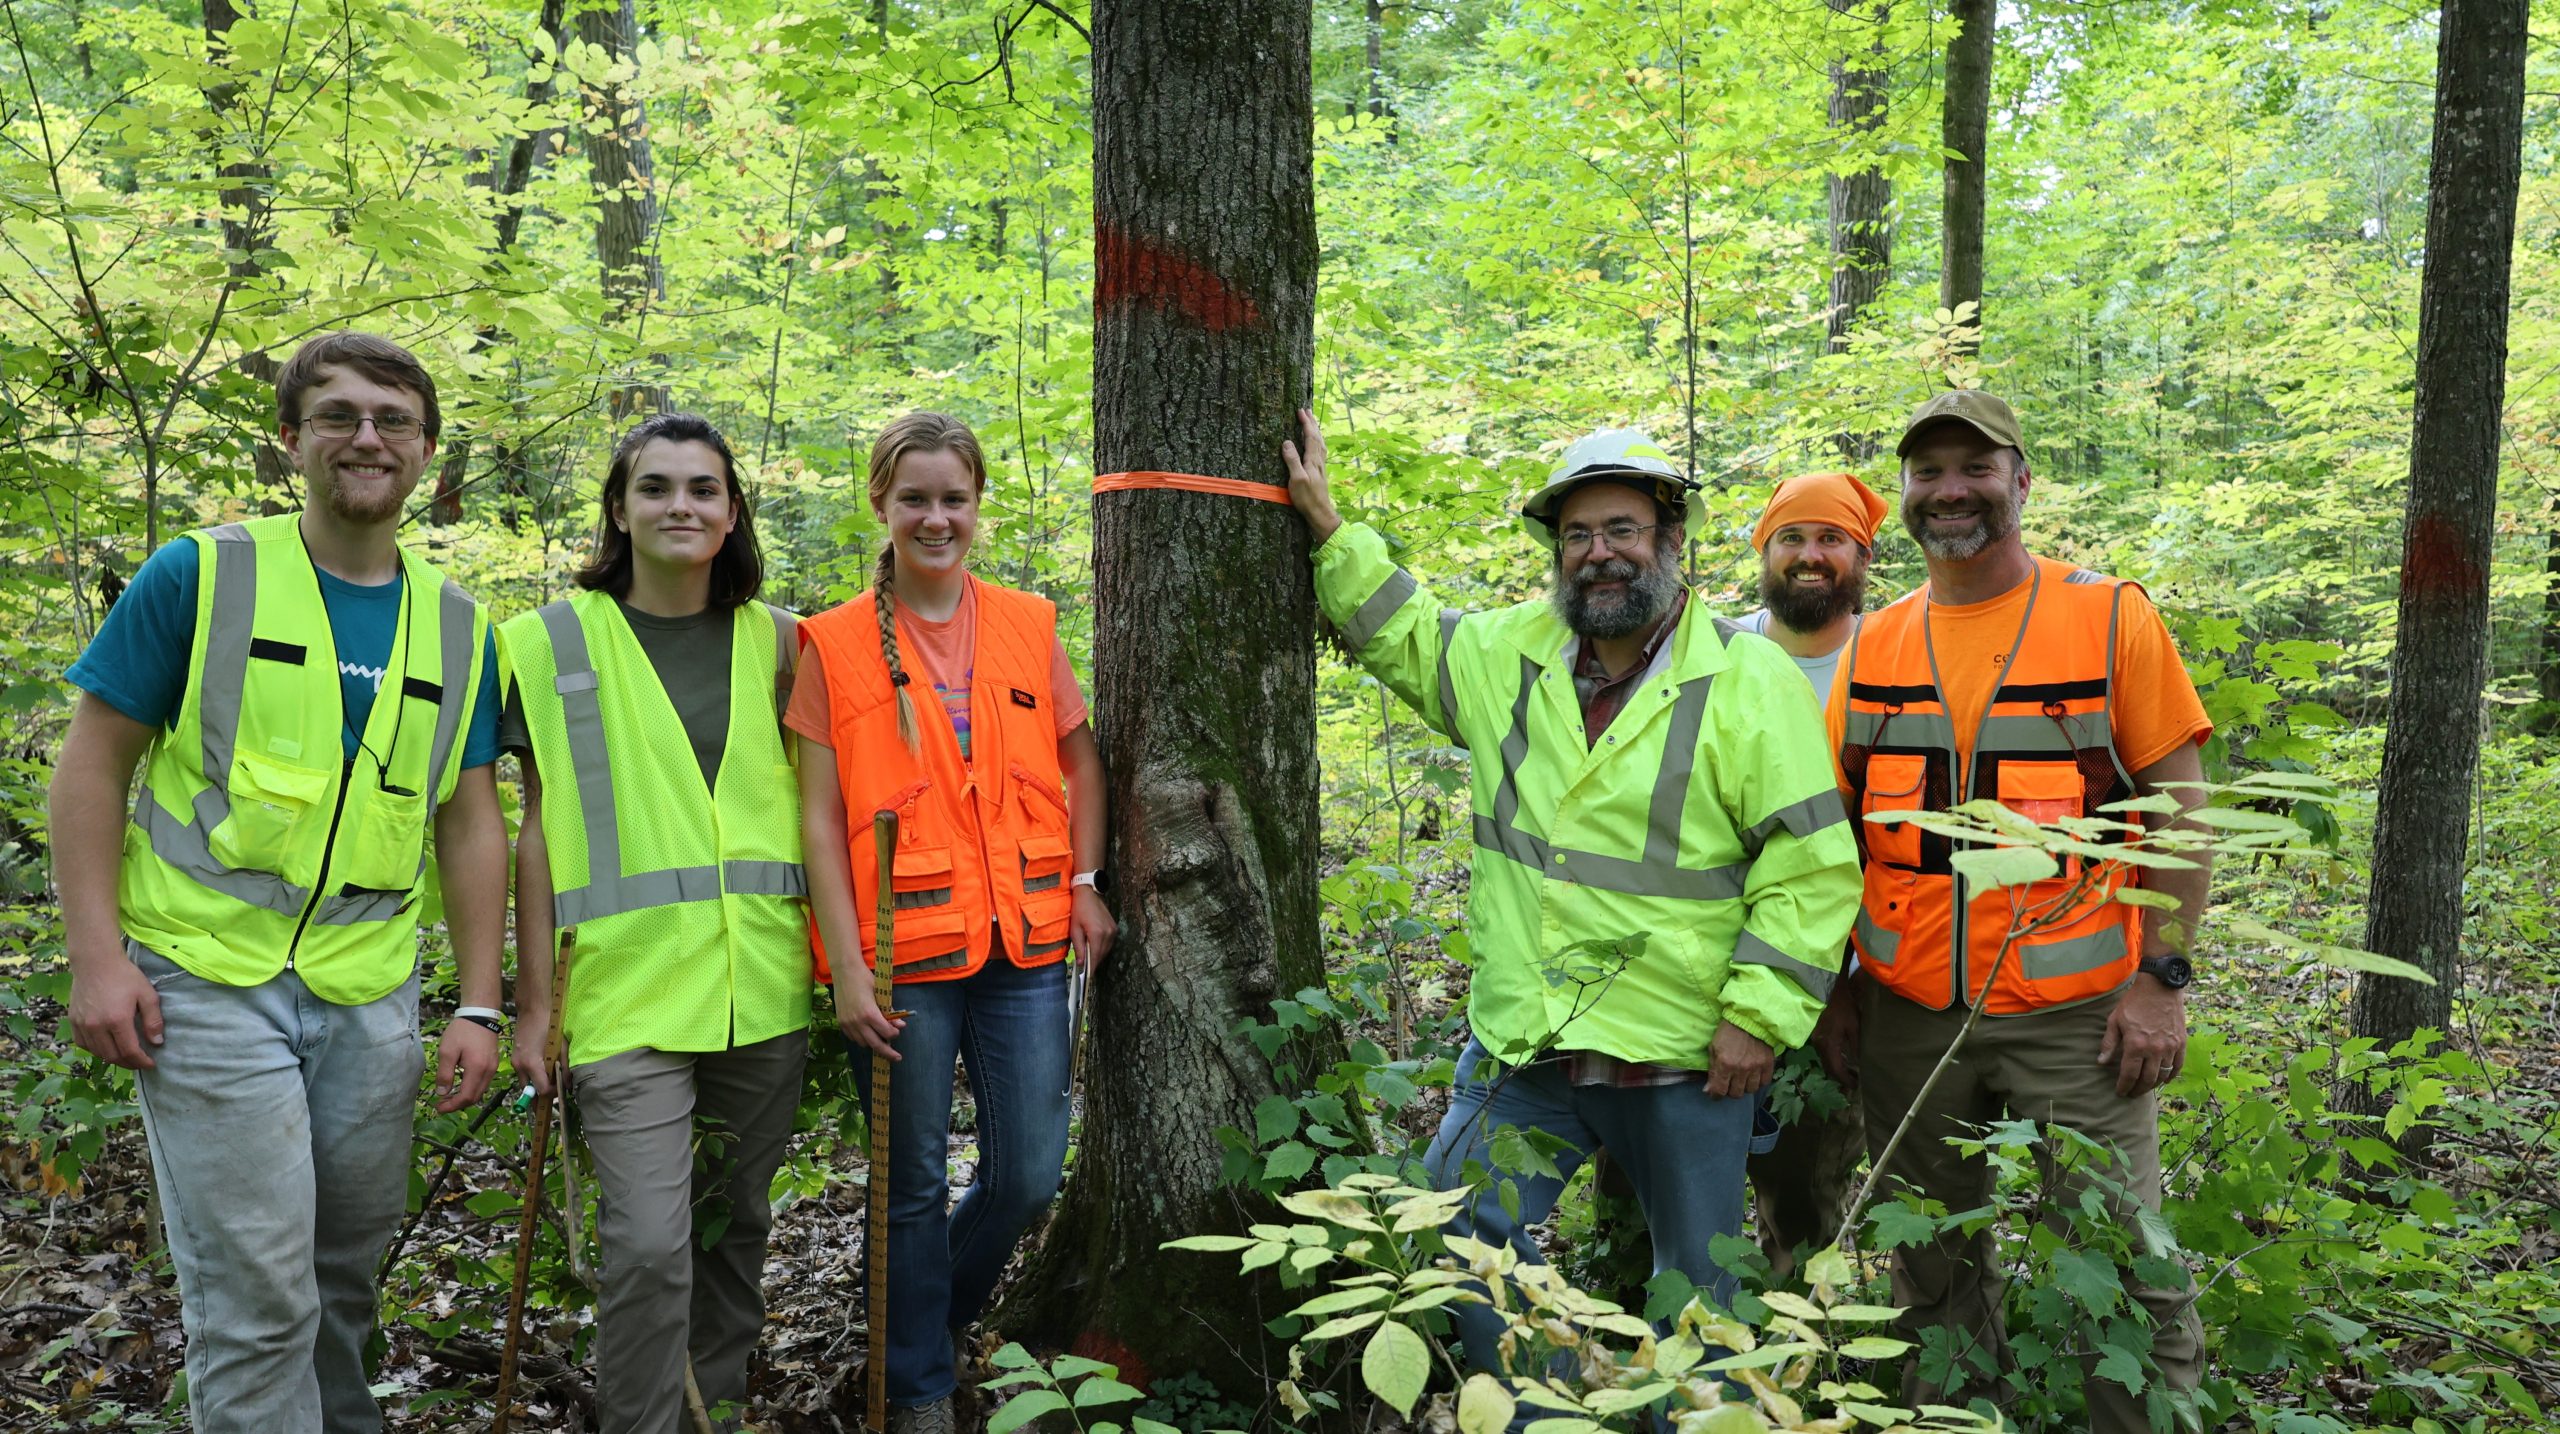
<point x="2045" y="749"/>
<point x="983" y="842"/>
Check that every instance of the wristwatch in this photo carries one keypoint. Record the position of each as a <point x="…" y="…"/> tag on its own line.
<point x="2173" y="971"/>
<point x="1085" y="878"/>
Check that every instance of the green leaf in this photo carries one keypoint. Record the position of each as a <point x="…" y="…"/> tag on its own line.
<point x="2118" y="1363"/>
<point x="1347" y="1324"/>
<point x="1212" y="1244"/>
<point x="2347" y="957"/>
<point x="1874" y="1346"/>
<point x="1395" y="1366"/>
<point x="1023" y="1408"/>
<point x="2003" y="866"/>
<point x="1289" y="1162"/>
<point x="1484" y="1406"/>
<point x="1101" y="1389"/>
<point x="1339" y="1300"/>
<point x="1275" y="1118"/>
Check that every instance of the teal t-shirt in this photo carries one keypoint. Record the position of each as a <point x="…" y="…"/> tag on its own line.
<point x="137" y="663"/>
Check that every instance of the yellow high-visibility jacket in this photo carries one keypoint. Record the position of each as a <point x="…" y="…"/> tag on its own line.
<point x="1707" y="818"/>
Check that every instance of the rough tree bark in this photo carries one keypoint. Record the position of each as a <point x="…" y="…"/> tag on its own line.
<point x="1861" y="203"/>
<point x="507" y="181"/>
<point x="2439" y="658"/>
<point x="1205" y="243"/>
<point x="625" y="179"/>
<point x="1965" y="129"/>
<point x="245" y="232"/>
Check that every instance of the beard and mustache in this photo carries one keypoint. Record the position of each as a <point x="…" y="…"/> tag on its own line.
<point x="1811" y="609"/>
<point x="1998" y="516"/>
<point x="1650" y="588"/>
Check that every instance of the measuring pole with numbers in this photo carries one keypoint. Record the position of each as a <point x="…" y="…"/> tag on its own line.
<point x="884" y="839"/>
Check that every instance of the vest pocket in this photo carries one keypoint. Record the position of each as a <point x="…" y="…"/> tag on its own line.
<point x="1893" y="784"/>
<point x="2043" y="792"/>
<point x="381" y="848"/>
<point x="1047" y="899"/>
<point x="931" y="929"/>
<point x="268" y="798"/>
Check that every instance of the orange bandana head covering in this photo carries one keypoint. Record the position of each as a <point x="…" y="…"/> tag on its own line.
<point x="1834" y="498"/>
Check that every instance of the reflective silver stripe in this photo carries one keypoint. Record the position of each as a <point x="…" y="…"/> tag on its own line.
<point x="1671" y="784"/>
<point x="1750" y="950"/>
<point x="1908" y="729"/>
<point x="2075" y="955"/>
<point x="183" y="845"/>
<point x="188" y="844"/>
<point x="1874" y="942"/>
<point x="638" y="892"/>
<point x="1657" y="872"/>
<point x="1448" y="688"/>
<point x="1726" y="631"/>
<point x="765" y="878"/>
<point x="917" y="900"/>
<point x="2015" y="735"/>
<point x="1044" y="948"/>
<point x="454" y="621"/>
<point x="932" y="963"/>
<point x="1041" y="883"/>
<point x="786" y="656"/>
<point x="1801" y="820"/>
<point x="355" y="906"/>
<point x="590" y="766"/>
<point x="1371" y="618"/>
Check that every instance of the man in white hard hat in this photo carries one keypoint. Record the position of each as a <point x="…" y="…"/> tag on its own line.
<point x="1663" y="877"/>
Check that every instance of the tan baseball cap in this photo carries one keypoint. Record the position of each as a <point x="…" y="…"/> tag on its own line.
<point x="1985" y="413"/>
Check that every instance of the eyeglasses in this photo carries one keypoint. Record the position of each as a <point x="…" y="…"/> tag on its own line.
<point x="389" y="427"/>
<point x="1621" y="535"/>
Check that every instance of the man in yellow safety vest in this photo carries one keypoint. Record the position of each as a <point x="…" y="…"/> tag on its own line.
<point x="308" y="703"/>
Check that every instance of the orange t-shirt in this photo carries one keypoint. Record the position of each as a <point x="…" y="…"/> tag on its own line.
<point x="941" y="654"/>
<point x="2153" y="706"/>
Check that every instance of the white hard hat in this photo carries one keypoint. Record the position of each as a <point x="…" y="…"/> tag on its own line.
<point x="1622" y="454"/>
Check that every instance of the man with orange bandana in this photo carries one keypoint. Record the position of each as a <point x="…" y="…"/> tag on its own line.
<point x="2055" y="690"/>
<point x="1815" y="540"/>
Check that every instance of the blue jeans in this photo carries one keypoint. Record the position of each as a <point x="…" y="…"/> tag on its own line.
<point x="1010" y="1025"/>
<point x="279" y="1127"/>
<point x="1682" y="1148"/>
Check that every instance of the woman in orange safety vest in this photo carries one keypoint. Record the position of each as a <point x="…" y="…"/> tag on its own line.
<point x="950" y="701"/>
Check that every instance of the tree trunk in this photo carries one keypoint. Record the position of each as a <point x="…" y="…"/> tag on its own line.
<point x="1376" y="34"/>
<point x="245" y="232"/>
<point x="2439" y="657"/>
<point x="508" y="180"/>
<point x="1205" y="244"/>
<point x="1965" y="130"/>
<point x="625" y="179"/>
<point x="2549" y="675"/>
<point x="1861" y="233"/>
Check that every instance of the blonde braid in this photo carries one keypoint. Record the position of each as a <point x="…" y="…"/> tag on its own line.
<point x="884" y="595"/>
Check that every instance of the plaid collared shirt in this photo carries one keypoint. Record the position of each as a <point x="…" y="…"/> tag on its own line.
<point x="1599" y="1068"/>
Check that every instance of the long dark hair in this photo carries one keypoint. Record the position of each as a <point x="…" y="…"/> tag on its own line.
<point x="737" y="570"/>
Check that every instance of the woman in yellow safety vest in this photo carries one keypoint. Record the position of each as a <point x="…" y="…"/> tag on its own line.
<point x="998" y="789"/>
<point x="662" y="824"/>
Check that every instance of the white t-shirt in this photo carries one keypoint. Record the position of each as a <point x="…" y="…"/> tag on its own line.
<point x="1817" y="670"/>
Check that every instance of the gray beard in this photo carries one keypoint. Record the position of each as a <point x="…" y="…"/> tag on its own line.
<point x="1999" y="520"/>
<point x="1650" y="589"/>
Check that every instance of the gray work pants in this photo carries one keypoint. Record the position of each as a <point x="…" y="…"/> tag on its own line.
<point x="279" y="1127"/>
<point x="665" y="1295"/>
<point x="2041" y="1067"/>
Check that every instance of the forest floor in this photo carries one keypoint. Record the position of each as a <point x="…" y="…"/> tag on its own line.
<point x="90" y="1331"/>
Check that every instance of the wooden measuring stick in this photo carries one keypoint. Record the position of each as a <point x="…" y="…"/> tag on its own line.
<point x="531" y="1219"/>
<point x="884" y="838"/>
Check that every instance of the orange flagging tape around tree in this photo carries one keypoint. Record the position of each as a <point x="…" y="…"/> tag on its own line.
<point x="1190" y="483"/>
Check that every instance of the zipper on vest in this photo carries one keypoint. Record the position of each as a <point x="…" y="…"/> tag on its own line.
<point x="320" y="882"/>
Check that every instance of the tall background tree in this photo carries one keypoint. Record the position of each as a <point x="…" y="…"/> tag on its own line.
<point x="1204" y="308"/>
<point x="2439" y="661"/>
<point x="1861" y="197"/>
<point x="1965" y="133"/>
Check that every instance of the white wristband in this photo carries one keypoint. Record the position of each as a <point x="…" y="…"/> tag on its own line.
<point x="1084" y="878"/>
<point x="465" y="1013"/>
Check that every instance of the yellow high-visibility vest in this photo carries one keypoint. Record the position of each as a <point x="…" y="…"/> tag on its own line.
<point x="691" y="904"/>
<point x="256" y="844"/>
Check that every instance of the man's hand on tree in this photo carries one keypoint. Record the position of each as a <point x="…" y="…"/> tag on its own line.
<point x="1738" y="1063"/>
<point x="1308" y="490"/>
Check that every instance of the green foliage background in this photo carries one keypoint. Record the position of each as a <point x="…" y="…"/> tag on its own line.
<point x="2206" y="227"/>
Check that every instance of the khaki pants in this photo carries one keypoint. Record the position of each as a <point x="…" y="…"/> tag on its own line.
<point x="664" y="1295"/>
<point x="2042" y="1067"/>
<point x="1800" y="1188"/>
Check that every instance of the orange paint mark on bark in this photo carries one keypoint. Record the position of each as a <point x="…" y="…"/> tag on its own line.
<point x="1131" y="271"/>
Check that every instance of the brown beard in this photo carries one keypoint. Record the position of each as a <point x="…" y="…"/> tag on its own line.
<point x="1802" y="611"/>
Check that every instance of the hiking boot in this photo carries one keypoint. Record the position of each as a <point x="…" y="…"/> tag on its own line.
<point x="934" y="1418"/>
